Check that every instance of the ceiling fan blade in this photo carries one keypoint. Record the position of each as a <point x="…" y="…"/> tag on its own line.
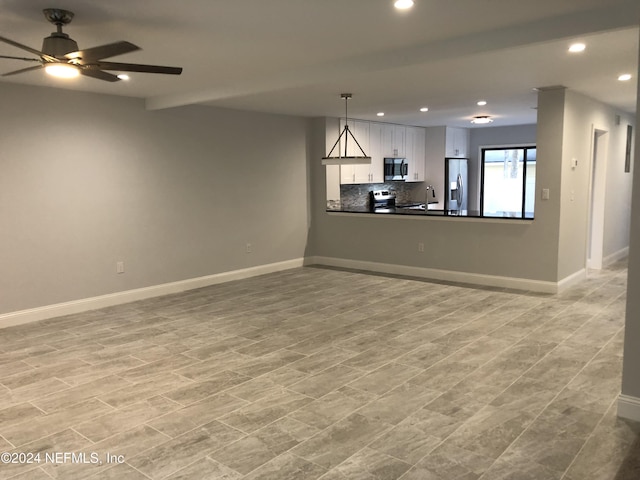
<point x="103" y="51"/>
<point x="21" y="58"/>
<point x="42" y="55"/>
<point x="23" y="70"/>
<point x="99" y="74"/>
<point x="134" y="67"/>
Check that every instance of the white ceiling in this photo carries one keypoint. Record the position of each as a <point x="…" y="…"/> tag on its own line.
<point x="296" y="56"/>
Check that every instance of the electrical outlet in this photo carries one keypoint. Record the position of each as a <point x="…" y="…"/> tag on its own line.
<point x="545" y="194"/>
<point x="421" y="247"/>
<point x="249" y="248"/>
<point x="120" y="267"/>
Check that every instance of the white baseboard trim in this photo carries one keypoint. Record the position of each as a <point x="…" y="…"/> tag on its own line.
<point x="436" y="274"/>
<point x="102" y="301"/>
<point x="614" y="257"/>
<point x="571" y="280"/>
<point x="629" y="407"/>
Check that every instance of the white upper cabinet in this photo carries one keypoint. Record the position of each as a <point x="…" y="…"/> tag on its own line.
<point x="415" y="153"/>
<point x="355" y="173"/>
<point x="457" y="142"/>
<point x="376" y="169"/>
<point x="360" y="130"/>
<point x="380" y="140"/>
<point x="443" y="142"/>
<point x="393" y="140"/>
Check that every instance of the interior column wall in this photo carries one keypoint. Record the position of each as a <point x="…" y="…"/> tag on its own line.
<point x="630" y="373"/>
<point x="583" y="117"/>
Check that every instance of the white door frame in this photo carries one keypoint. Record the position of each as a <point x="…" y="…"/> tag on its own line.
<point x="597" y="196"/>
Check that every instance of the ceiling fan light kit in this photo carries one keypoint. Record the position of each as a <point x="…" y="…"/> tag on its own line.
<point x="61" y="57"/>
<point x="62" y="70"/>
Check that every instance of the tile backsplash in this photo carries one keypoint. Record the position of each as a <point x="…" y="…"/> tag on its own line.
<point x="358" y="195"/>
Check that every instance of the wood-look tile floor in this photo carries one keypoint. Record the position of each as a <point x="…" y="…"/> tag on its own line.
<point x="324" y="374"/>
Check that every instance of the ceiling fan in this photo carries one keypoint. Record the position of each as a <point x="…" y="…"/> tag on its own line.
<point x="60" y="55"/>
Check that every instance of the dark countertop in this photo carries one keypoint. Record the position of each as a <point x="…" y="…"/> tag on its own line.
<point x="398" y="210"/>
<point x="402" y="211"/>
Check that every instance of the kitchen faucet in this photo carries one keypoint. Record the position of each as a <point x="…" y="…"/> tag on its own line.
<point x="430" y="196"/>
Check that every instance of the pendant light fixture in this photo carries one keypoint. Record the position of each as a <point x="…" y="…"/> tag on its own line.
<point x="346" y="133"/>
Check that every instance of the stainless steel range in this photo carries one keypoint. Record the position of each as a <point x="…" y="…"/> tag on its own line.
<point x="382" y="201"/>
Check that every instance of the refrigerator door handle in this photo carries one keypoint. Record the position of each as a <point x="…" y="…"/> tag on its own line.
<point x="459" y="192"/>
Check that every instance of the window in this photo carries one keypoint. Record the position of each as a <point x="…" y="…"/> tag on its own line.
<point x="508" y="182"/>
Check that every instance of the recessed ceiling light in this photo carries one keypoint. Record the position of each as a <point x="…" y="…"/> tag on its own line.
<point x="62" y="70"/>
<point x="577" y="47"/>
<point x="624" y="77"/>
<point x="482" y="103"/>
<point x="424" y="109"/>
<point x="124" y="76"/>
<point x="482" y="119"/>
<point x="380" y="114"/>
<point x="403" y="4"/>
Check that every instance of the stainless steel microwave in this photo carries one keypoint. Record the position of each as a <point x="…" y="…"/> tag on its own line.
<point x="395" y="169"/>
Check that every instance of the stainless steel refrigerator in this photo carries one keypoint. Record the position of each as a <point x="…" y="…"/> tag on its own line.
<point x="455" y="176"/>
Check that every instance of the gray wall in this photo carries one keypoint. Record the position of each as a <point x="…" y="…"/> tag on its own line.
<point x="490" y="136"/>
<point x="87" y="180"/>
<point x="630" y="371"/>
<point x="582" y="115"/>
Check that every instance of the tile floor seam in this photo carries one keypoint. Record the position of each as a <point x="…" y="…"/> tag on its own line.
<point x="543" y="410"/>
<point x="36" y="407"/>
<point x="591" y="435"/>
<point x="355" y="453"/>
<point x="10" y="443"/>
<point x="326" y="470"/>
<point x="496" y="396"/>
<point x="91" y="442"/>
<point x="147" y="450"/>
<point x="583" y="367"/>
<point x="221" y="421"/>
<point x="46" y="473"/>
<point x="146" y="424"/>
<point x="66" y="383"/>
<point x="209" y="457"/>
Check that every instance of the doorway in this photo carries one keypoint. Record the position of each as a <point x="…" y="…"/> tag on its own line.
<point x="595" y="236"/>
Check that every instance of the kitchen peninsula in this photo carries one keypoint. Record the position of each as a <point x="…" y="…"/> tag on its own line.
<point x="447" y="165"/>
<point x="413" y="210"/>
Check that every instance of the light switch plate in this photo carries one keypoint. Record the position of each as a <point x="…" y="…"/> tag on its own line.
<point x="545" y="194"/>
